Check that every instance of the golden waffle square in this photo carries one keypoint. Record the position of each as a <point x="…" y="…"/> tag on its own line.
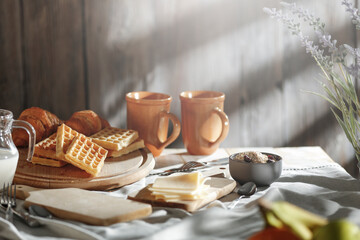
<point x="47" y="147"/>
<point x="47" y="161"/>
<point x="86" y="155"/>
<point x="139" y="143"/>
<point x="65" y="136"/>
<point x="115" y="138"/>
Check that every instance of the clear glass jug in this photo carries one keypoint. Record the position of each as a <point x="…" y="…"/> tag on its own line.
<point x="9" y="154"/>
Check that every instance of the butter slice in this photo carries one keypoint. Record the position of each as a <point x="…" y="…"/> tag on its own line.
<point x="179" y="187"/>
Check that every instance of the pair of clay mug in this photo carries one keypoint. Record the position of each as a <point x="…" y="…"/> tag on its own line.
<point x="204" y="123"/>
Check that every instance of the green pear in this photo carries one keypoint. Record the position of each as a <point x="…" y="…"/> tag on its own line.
<point x="338" y="230"/>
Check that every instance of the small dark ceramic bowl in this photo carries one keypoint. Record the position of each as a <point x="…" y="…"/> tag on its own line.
<point x="262" y="174"/>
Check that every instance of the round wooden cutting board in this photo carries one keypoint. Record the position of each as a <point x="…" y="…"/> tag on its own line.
<point x="115" y="173"/>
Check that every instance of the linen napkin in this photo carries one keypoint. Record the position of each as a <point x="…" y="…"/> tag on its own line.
<point x="326" y="190"/>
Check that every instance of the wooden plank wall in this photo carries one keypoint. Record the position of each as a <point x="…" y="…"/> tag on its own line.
<point x="66" y="56"/>
<point x="12" y="94"/>
<point x="53" y="55"/>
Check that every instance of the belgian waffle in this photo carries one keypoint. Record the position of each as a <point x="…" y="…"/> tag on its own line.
<point x="47" y="147"/>
<point x="47" y="161"/>
<point x="65" y="135"/>
<point x="137" y="144"/>
<point x="86" y="155"/>
<point x="114" y="138"/>
<point x="45" y="153"/>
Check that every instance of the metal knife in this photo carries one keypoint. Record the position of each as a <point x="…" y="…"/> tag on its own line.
<point x="219" y="162"/>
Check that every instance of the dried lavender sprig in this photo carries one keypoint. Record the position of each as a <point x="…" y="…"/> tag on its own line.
<point x="353" y="69"/>
<point x="337" y="54"/>
<point x="309" y="45"/>
<point x="341" y="91"/>
<point x="354" y="13"/>
<point x="319" y="27"/>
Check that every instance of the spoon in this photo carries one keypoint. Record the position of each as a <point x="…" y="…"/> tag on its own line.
<point x="39" y="211"/>
<point x="245" y="190"/>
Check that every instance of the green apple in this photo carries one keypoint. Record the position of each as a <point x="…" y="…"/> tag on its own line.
<point x="338" y="230"/>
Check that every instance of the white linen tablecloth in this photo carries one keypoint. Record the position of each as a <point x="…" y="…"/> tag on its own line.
<point x="324" y="188"/>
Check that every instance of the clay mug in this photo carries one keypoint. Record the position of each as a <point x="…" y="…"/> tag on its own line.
<point x="149" y="114"/>
<point x="204" y="123"/>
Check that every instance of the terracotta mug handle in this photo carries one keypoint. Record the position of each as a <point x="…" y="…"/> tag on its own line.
<point x="225" y="127"/>
<point x="176" y="128"/>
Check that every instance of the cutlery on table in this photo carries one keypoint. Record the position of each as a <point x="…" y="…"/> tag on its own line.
<point x="192" y="166"/>
<point x="187" y="167"/>
<point x="40" y="211"/>
<point x="245" y="190"/>
<point x="8" y="200"/>
<point x="8" y="203"/>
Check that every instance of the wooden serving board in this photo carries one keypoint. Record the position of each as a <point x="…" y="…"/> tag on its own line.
<point x="84" y="206"/>
<point x="219" y="187"/>
<point x="116" y="172"/>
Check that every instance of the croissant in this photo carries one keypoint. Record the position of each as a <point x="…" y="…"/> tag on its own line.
<point x="86" y="122"/>
<point x="44" y="122"/>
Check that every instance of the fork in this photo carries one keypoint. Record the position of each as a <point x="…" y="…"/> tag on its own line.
<point x="8" y="200"/>
<point x="190" y="165"/>
<point x="184" y="168"/>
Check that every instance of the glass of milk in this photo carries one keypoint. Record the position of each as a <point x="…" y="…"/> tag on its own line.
<point x="9" y="154"/>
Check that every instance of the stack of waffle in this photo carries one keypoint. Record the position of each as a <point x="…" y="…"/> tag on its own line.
<point x="118" y="141"/>
<point x="87" y="153"/>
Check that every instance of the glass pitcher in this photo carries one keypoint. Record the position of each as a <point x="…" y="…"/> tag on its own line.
<point x="9" y="154"/>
